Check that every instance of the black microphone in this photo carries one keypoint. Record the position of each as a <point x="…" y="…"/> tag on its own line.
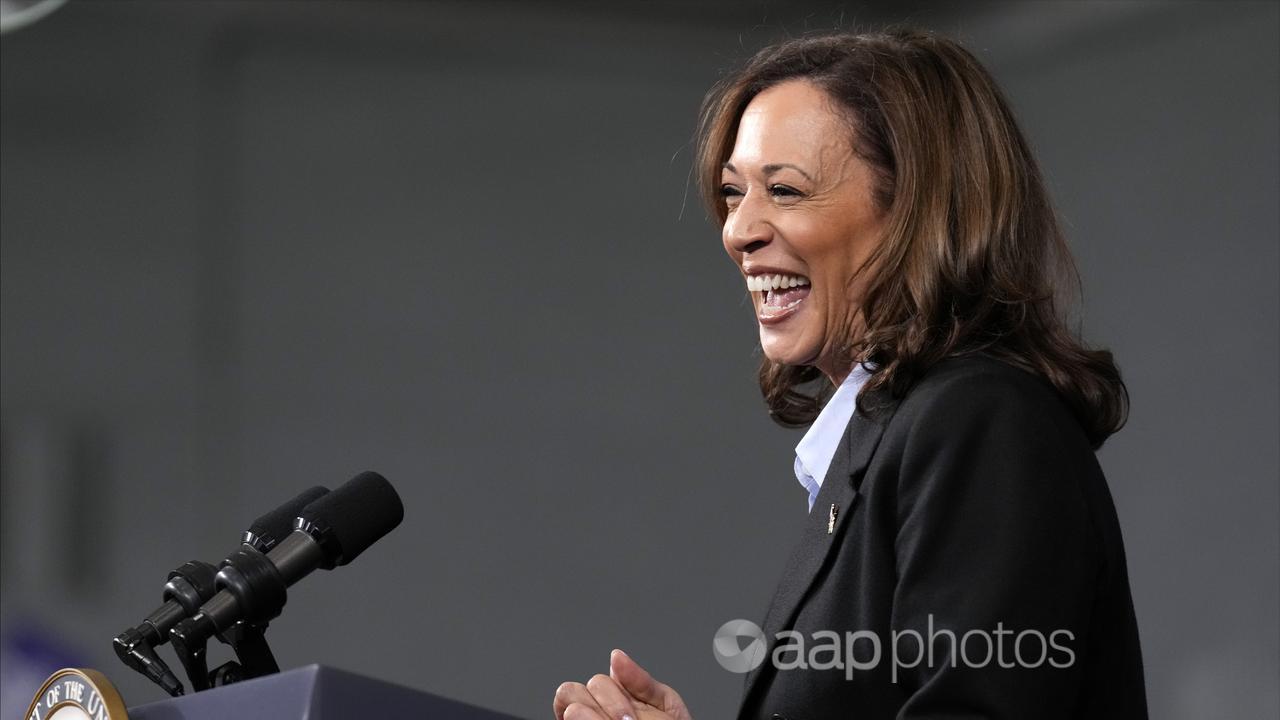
<point x="191" y="585"/>
<point x="268" y="530"/>
<point x="329" y="532"/>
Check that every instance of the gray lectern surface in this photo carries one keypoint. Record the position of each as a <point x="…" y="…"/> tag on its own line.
<point x="313" y="692"/>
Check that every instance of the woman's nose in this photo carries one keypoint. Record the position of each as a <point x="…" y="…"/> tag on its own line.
<point x="745" y="230"/>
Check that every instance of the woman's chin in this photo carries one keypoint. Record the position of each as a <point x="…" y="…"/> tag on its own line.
<point x="785" y="350"/>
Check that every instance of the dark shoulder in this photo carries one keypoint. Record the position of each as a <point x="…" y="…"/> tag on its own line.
<point x="970" y="377"/>
<point x="962" y="391"/>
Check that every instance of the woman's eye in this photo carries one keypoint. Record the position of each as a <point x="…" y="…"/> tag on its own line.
<point x="732" y="194"/>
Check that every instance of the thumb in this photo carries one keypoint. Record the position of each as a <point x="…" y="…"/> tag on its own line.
<point x="636" y="680"/>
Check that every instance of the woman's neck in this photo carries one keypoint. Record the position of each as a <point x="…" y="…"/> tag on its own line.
<point x="836" y="372"/>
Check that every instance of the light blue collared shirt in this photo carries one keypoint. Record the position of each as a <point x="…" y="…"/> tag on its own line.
<point x="819" y="444"/>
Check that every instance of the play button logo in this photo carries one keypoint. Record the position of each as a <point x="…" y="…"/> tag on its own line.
<point x="739" y="646"/>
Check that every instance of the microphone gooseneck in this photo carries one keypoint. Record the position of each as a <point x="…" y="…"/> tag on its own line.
<point x="191" y="585"/>
<point x="252" y="587"/>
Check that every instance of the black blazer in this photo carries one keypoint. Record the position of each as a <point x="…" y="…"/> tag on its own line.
<point x="975" y="503"/>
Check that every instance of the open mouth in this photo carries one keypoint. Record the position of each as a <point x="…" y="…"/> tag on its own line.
<point x="779" y="294"/>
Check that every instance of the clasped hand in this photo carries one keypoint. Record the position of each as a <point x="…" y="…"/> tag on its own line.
<point x="628" y="692"/>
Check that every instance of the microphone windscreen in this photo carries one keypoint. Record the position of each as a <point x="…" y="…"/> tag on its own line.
<point x="356" y="514"/>
<point x="272" y="527"/>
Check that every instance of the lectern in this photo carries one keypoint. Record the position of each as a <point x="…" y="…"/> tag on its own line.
<point x="314" y="692"/>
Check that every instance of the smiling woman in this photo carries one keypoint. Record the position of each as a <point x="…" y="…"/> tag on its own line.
<point x="903" y="257"/>
<point x="950" y="242"/>
<point x="810" y="221"/>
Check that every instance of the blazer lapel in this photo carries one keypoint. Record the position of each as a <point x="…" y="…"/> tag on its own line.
<point x="820" y="532"/>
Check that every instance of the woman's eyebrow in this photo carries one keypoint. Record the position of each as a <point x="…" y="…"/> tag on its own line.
<point x="775" y="167"/>
<point x="770" y="169"/>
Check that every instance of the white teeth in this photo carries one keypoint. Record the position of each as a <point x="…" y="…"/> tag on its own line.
<point x="761" y="283"/>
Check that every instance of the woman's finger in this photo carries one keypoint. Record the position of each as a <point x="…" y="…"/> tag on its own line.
<point x="611" y="698"/>
<point x="578" y="711"/>
<point x="570" y="694"/>
<point x="638" y="682"/>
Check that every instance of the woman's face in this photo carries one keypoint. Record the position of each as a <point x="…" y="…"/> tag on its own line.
<point x="801" y="220"/>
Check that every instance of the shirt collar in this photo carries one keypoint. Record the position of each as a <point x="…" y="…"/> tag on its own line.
<point x="819" y="444"/>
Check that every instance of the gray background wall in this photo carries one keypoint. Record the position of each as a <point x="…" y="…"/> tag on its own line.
<point x="251" y="247"/>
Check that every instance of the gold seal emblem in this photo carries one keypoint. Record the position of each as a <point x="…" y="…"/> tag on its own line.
<point x="73" y="694"/>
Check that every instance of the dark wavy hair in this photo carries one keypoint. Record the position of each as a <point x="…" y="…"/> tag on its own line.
<point x="973" y="259"/>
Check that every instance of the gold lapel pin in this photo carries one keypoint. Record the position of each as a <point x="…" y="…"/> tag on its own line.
<point x="831" y="518"/>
